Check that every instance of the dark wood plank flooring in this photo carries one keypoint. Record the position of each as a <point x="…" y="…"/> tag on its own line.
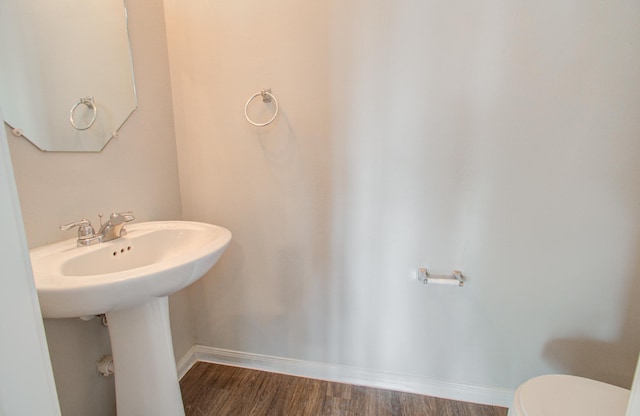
<point x="212" y="389"/>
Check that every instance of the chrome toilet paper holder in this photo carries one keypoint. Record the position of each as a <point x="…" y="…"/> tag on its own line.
<point x="454" y="279"/>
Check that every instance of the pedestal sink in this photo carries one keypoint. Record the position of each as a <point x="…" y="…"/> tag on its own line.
<point x="129" y="279"/>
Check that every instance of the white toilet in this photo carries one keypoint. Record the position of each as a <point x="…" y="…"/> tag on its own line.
<point x="562" y="395"/>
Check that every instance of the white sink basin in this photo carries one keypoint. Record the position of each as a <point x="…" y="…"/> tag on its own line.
<point x="129" y="279"/>
<point x="154" y="259"/>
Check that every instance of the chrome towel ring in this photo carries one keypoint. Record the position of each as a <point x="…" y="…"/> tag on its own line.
<point x="267" y="96"/>
<point x="91" y="105"/>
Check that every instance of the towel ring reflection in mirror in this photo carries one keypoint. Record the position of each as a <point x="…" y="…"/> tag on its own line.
<point x="91" y="105"/>
<point x="267" y="97"/>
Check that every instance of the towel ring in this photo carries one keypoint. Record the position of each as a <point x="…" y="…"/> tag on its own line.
<point x="267" y="96"/>
<point x="90" y="104"/>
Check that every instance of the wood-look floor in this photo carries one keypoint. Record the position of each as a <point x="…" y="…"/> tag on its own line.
<point x="211" y="389"/>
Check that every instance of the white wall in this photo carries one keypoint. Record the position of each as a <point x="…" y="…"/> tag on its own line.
<point x="497" y="137"/>
<point x="137" y="171"/>
<point x="26" y="379"/>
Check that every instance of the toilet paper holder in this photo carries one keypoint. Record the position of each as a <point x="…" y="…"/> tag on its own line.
<point x="454" y="279"/>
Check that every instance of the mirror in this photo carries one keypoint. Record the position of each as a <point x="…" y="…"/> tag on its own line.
<point x="66" y="74"/>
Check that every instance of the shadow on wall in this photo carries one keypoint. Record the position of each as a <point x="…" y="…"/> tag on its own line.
<point x="224" y="282"/>
<point x="615" y="361"/>
<point x="75" y="349"/>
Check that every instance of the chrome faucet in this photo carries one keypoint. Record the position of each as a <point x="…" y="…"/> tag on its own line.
<point x="114" y="227"/>
<point x="110" y="230"/>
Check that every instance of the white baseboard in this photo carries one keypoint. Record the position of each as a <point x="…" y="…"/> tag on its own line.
<point x="345" y="374"/>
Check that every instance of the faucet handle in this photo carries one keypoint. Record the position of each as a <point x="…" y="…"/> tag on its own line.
<point x="85" y="229"/>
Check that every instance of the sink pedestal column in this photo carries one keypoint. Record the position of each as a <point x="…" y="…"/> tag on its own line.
<point x="144" y="365"/>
